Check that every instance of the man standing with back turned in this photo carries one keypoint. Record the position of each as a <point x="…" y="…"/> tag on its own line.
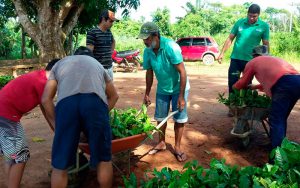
<point x="85" y="95"/>
<point x="163" y="57"/>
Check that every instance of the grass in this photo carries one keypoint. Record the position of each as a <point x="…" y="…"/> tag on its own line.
<point x="291" y="57"/>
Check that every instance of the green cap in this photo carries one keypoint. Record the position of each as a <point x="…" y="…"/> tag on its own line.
<point x="146" y="30"/>
<point x="260" y="50"/>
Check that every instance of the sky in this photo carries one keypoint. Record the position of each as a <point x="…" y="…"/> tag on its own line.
<point x="147" y="7"/>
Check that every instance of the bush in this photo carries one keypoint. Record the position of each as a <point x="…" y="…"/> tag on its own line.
<point x="4" y="80"/>
<point x="284" y="173"/>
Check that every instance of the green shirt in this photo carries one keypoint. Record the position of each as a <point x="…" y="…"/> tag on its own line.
<point x="247" y="37"/>
<point x="168" y="78"/>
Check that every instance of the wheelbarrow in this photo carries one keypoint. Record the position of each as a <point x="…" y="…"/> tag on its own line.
<point x="244" y="119"/>
<point x="127" y="144"/>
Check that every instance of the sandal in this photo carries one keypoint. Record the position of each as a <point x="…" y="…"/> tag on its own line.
<point x="180" y="156"/>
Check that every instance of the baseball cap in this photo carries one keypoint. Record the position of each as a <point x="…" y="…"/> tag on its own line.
<point x="146" y="30"/>
<point x="108" y="14"/>
<point x="260" y="50"/>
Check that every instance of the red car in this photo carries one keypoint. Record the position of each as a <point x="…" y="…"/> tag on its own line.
<point x="199" y="48"/>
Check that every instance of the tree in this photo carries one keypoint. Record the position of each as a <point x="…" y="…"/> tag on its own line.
<point x="191" y="25"/>
<point x="49" y="22"/>
<point x="277" y="18"/>
<point x="162" y="19"/>
<point x="6" y="43"/>
<point x="6" y="11"/>
<point x="10" y="40"/>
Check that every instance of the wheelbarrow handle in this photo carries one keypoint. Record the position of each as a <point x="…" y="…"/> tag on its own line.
<point x="164" y="121"/>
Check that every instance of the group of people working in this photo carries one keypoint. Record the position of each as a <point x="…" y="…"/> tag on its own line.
<point x="86" y="94"/>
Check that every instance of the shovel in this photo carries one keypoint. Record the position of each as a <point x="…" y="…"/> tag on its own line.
<point x="164" y="121"/>
<point x="153" y="151"/>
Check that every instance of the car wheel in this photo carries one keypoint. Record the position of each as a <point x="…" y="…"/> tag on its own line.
<point x="208" y="59"/>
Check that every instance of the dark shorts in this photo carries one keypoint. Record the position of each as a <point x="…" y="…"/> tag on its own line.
<point x="81" y="112"/>
<point x="12" y="142"/>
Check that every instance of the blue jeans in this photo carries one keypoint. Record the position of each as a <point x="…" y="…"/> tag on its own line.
<point x="235" y="69"/>
<point x="162" y="107"/>
<point x="285" y="94"/>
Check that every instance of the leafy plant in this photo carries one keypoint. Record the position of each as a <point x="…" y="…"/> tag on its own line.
<point x="4" y="80"/>
<point x="130" y="122"/>
<point x="284" y="173"/>
<point x="245" y="98"/>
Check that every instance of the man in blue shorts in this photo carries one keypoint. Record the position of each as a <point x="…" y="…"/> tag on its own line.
<point x="85" y="96"/>
<point x="163" y="57"/>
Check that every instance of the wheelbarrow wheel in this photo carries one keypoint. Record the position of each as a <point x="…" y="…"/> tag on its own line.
<point x="246" y="141"/>
<point x="241" y="126"/>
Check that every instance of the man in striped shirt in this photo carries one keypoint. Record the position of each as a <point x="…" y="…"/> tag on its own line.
<point x="101" y="41"/>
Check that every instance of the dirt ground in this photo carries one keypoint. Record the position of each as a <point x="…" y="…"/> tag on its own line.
<point x="206" y="136"/>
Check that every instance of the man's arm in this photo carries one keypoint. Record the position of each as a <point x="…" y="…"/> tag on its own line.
<point x="226" y="45"/>
<point x="112" y="95"/>
<point x="257" y="86"/>
<point x="248" y="75"/>
<point x="266" y="42"/>
<point x="113" y="45"/>
<point x="91" y="47"/>
<point x="44" y="113"/>
<point x="181" y="69"/>
<point x="149" y="82"/>
<point x="90" y="40"/>
<point x="47" y="102"/>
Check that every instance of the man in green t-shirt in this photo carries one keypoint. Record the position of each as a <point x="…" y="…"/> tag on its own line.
<point x="248" y="33"/>
<point x="163" y="57"/>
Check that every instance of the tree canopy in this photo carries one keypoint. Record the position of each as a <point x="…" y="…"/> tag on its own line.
<point x="49" y="22"/>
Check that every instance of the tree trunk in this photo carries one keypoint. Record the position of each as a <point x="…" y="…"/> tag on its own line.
<point x="76" y="40"/>
<point x="52" y="26"/>
<point x="69" y="50"/>
<point x="23" y="45"/>
<point x="31" y="50"/>
<point x="50" y="46"/>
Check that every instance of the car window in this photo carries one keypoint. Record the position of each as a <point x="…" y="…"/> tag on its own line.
<point x="208" y="42"/>
<point x="198" y="42"/>
<point x="184" y="42"/>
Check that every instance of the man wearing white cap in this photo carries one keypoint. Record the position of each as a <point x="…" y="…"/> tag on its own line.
<point x="279" y="80"/>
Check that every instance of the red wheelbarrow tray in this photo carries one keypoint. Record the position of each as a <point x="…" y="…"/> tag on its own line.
<point x="127" y="143"/>
<point x="119" y="145"/>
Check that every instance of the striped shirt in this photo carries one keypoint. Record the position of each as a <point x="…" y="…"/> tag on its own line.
<point x="102" y="42"/>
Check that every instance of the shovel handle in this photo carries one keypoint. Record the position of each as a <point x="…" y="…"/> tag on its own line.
<point x="165" y="120"/>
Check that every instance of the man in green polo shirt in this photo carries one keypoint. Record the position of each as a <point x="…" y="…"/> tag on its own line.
<point x="163" y="57"/>
<point x="248" y="33"/>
